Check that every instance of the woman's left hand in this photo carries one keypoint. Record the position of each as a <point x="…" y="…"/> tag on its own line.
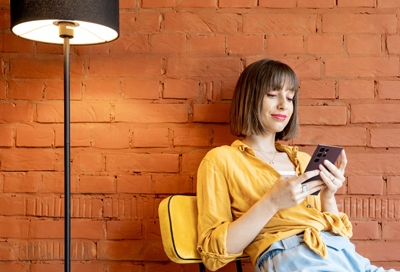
<point x="333" y="178"/>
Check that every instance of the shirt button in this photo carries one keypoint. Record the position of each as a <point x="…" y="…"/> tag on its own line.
<point x="308" y="206"/>
<point x="199" y="249"/>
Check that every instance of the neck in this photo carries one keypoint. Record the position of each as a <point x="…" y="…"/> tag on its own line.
<point x="260" y="142"/>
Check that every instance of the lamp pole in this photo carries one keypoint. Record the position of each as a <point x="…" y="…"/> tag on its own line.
<point x="66" y="31"/>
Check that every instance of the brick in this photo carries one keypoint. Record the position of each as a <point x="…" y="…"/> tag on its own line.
<point x="80" y="135"/>
<point x="43" y="68"/>
<point x="130" y="207"/>
<point x="151" y="229"/>
<point x="317" y="89"/>
<point x="191" y="161"/>
<point x="277" y="4"/>
<point x="237" y="3"/>
<point x="388" y="89"/>
<point x="374" y="113"/>
<point x="192" y="136"/>
<point x="137" y="22"/>
<point x="393" y="185"/>
<point x="136" y="162"/>
<point x="393" y="42"/>
<point x="124" y="267"/>
<point x="41" y="206"/>
<point x="343" y="136"/>
<point x="361" y="67"/>
<point x="16" y="112"/>
<point x="86" y="207"/>
<point x="379" y="250"/>
<point x="388" y="3"/>
<point x="363" y="44"/>
<point x="47" y="48"/>
<point x="323" y="115"/>
<point x="173" y="184"/>
<point x="131" y="43"/>
<point x="372" y="164"/>
<point x="6" y="136"/>
<point x="198" y="4"/>
<point x="325" y="44"/>
<point x="134" y="184"/>
<point x="26" y="90"/>
<point x="215" y="23"/>
<point x="142" y="89"/>
<point x="27" y="159"/>
<point x="305" y="68"/>
<point x="3" y="86"/>
<point x="365" y="185"/>
<point x="12" y="205"/>
<point x="97" y="184"/>
<point x="158" y="4"/>
<point x="54" y="89"/>
<point x="356" y="3"/>
<point x="13" y="267"/>
<point x="88" y="229"/>
<point x="46" y="229"/>
<point x="315" y="3"/>
<point x="111" y="136"/>
<point x="391" y="230"/>
<point x="227" y="88"/>
<point x="206" y="44"/>
<point x="14" y="228"/>
<point x="151" y="113"/>
<point x="133" y="250"/>
<point x="279" y="23"/>
<point x="8" y="252"/>
<point x="385" y="137"/>
<point x="211" y="113"/>
<point x="168" y="43"/>
<point x="97" y="89"/>
<point x="16" y="44"/>
<point x="125" y="67"/>
<point x="361" y="23"/>
<point x="94" y="49"/>
<point x="127" y="4"/>
<point x="22" y="182"/>
<point x="80" y="112"/>
<point x="85" y="161"/>
<point x="32" y="135"/>
<point x="181" y="88"/>
<point x="365" y="230"/>
<point x="356" y="89"/>
<point x="192" y="67"/>
<point x="285" y="44"/>
<point x="124" y="230"/>
<point x="245" y="44"/>
<point x="150" y="137"/>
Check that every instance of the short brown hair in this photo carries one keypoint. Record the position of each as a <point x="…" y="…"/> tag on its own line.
<point x="254" y="83"/>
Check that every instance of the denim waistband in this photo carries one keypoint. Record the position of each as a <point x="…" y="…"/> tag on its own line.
<point x="284" y="244"/>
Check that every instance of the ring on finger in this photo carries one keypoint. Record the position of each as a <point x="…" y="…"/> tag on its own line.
<point x="333" y="178"/>
<point x="304" y="188"/>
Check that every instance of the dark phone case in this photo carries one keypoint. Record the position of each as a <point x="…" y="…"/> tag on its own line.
<point x="321" y="153"/>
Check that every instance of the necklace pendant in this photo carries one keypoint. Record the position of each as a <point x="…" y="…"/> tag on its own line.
<point x="271" y="162"/>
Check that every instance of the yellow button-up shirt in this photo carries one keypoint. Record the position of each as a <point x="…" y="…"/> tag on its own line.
<point x="230" y="180"/>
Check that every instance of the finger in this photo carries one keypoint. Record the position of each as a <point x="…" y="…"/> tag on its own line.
<point x="307" y="175"/>
<point x="343" y="160"/>
<point x="332" y="171"/>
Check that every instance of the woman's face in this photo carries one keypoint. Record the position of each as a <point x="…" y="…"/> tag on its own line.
<point x="277" y="109"/>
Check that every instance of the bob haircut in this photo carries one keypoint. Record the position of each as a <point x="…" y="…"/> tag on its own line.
<point x="254" y="83"/>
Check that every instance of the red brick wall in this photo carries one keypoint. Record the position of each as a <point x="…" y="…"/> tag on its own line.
<point x="147" y="107"/>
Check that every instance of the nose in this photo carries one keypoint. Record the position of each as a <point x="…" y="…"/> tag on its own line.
<point x="282" y="103"/>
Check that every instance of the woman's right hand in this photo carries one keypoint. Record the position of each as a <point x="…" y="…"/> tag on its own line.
<point x="288" y="191"/>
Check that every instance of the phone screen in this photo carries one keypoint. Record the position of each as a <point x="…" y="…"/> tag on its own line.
<point x="321" y="153"/>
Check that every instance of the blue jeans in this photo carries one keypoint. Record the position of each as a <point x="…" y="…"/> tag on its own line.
<point x="292" y="254"/>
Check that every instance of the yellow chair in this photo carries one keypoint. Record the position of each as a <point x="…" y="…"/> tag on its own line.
<point x="178" y="224"/>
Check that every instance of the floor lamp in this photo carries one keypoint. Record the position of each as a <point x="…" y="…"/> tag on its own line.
<point x="67" y="22"/>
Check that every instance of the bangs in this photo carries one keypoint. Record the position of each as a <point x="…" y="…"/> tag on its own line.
<point x="280" y="77"/>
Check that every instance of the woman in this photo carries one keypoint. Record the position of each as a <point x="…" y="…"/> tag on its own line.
<point x="250" y="194"/>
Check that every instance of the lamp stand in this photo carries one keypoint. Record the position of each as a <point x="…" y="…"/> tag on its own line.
<point x="66" y="31"/>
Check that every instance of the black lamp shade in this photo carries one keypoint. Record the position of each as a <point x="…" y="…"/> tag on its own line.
<point x="96" y="21"/>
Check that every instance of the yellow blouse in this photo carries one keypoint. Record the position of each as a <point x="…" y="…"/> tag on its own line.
<point x="230" y="180"/>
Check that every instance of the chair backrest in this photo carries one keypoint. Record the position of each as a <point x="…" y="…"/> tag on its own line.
<point x="178" y="224"/>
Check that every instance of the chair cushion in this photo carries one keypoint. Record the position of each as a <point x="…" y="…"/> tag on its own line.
<point x="178" y="223"/>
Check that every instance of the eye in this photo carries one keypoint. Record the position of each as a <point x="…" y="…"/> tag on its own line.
<point x="271" y="95"/>
<point x="290" y="99"/>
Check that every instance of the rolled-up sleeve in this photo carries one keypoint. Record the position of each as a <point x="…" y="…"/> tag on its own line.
<point x="214" y="206"/>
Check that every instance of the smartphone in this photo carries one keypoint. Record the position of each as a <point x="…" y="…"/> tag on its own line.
<point x="321" y="153"/>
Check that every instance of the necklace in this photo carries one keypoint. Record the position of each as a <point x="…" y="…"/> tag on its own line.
<point x="271" y="161"/>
